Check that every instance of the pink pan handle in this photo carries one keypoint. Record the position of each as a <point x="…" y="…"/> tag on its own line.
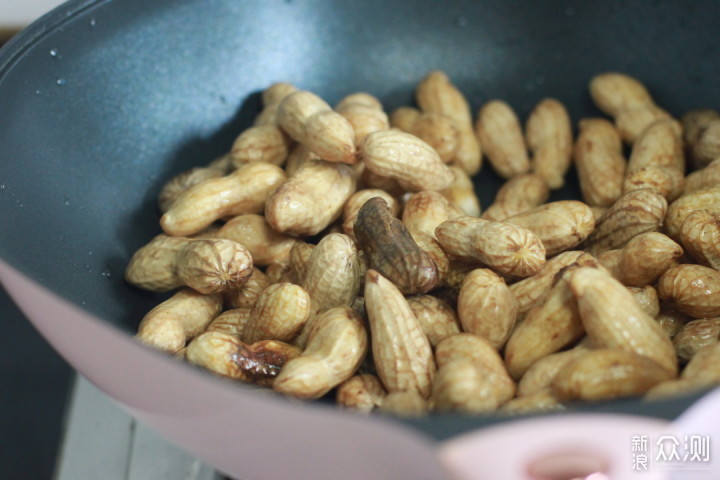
<point x="562" y="447"/>
<point x="591" y="447"/>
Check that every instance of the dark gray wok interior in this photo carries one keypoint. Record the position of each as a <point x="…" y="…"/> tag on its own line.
<point x="101" y="102"/>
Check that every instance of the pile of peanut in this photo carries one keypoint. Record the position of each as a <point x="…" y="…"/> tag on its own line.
<point x="343" y="251"/>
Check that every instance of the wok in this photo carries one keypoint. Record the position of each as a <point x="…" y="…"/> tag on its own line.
<point x="103" y="101"/>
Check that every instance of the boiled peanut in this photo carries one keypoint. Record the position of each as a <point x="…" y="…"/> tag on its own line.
<point x="461" y="193"/>
<point x="173" y="322"/>
<point x="404" y="118"/>
<point x="700" y="234"/>
<point x="541" y="373"/>
<point x="310" y="200"/>
<point x="660" y="144"/>
<point x="559" y="225"/>
<point x="332" y="275"/>
<point x="647" y="298"/>
<point x="226" y="355"/>
<point x="243" y="191"/>
<point x="425" y="210"/>
<point x="365" y="114"/>
<point x="540" y="401"/>
<point x="391" y="250"/>
<point x="634" y="213"/>
<point x="671" y="320"/>
<point x="436" y="317"/>
<point x="706" y="177"/>
<point x="362" y="393"/>
<point x="696" y="335"/>
<point x="694" y="124"/>
<point x="486" y="307"/>
<point x="667" y="182"/>
<point x="436" y="94"/>
<point x="437" y="254"/>
<point x="309" y="120"/>
<point x="600" y="165"/>
<point x="657" y="160"/>
<point x="613" y="319"/>
<point x="404" y="157"/>
<point x="464" y="386"/>
<point x="705" y="199"/>
<point x="606" y="373"/>
<point x="530" y="290"/>
<point x="437" y="130"/>
<point x="357" y="200"/>
<point x="279" y="273"/>
<point x="263" y="143"/>
<point x="501" y="136"/>
<point x="692" y="289"/>
<point x="300" y="255"/>
<point x="517" y="195"/>
<point x="642" y="260"/>
<point x="476" y="349"/>
<point x="405" y="404"/>
<point x="628" y="101"/>
<point x="247" y="295"/>
<point x="271" y="98"/>
<point x="506" y="248"/>
<point x="552" y="324"/>
<point x="280" y="313"/>
<point x="298" y="156"/>
<point x="206" y="265"/>
<point x="184" y="180"/>
<point x="548" y="133"/>
<point x="701" y="373"/>
<point x="232" y="322"/>
<point x="333" y="353"/>
<point x="253" y="231"/>
<point x="707" y="146"/>
<point x="440" y="133"/>
<point x="402" y="353"/>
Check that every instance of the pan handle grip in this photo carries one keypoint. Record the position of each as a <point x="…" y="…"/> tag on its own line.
<point x="558" y="447"/>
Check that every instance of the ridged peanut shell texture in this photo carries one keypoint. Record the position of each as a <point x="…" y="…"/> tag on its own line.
<point x="243" y="191"/>
<point x="436" y="94"/>
<point x="700" y="235"/>
<point x="406" y="158"/>
<point x="706" y="199"/>
<point x="279" y="314"/>
<point x="310" y="200"/>
<point x="613" y="319"/>
<point x="501" y="136"/>
<point x="391" y="250"/>
<point x="173" y="322"/>
<point x="628" y="101"/>
<point x="600" y="165"/>
<point x="692" y="289"/>
<point x="636" y="212"/>
<point x="559" y="225"/>
<point x="206" y="265"/>
<point x="548" y="132"/>
<point x="606" y="373"/>
<point x="506" y="248"/>
<point x="486" y="306"/>
<point x="401" y="351"/>
<point x="332" y="275"/>
<point x="333" y="353"/>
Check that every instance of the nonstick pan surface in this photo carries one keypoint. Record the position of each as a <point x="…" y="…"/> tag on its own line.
<point x="101" y="102"/>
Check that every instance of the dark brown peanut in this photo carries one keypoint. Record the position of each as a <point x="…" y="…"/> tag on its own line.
<point x="391" y="249"/>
